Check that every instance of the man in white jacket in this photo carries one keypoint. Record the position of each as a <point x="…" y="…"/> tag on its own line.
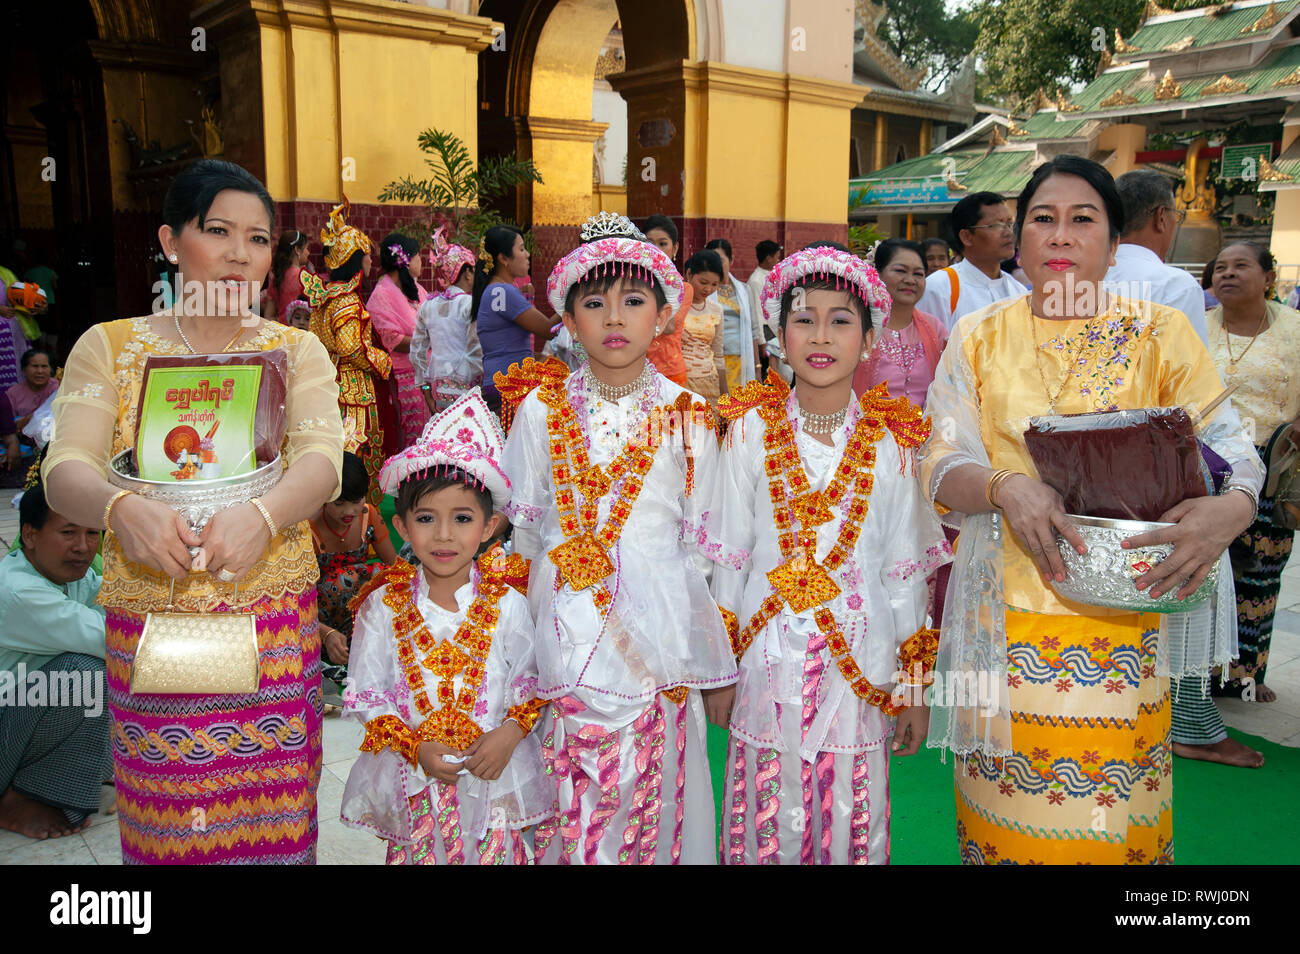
<point x="984" y="229"/>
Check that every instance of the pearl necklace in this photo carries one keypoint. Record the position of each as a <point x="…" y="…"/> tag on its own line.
<point x="613" y="393"/>
<point x="823" y="423"/>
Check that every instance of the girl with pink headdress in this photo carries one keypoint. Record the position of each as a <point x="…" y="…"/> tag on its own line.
<point x="830" y="541"/>
<point x="445" y="350"/>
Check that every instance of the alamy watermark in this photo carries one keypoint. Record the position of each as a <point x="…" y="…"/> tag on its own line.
<point x="44" y="688"/>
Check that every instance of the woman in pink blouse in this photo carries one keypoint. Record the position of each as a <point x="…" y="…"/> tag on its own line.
<point x="908" y="345"/>
<point x="393" y="306"/>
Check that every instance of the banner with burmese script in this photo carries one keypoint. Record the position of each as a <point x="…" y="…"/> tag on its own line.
<point x="197" y="422"/>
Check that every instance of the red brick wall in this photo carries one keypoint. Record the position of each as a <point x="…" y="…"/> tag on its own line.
<point x="744" y="234"/>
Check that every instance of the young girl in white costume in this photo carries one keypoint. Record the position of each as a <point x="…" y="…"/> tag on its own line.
<point x="610" y="466"/>
<point x="829" y="543"/>
<point x="442" y="670"/>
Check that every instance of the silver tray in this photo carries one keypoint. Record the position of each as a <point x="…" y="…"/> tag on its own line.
<point x="1104" y="575"/>
<point x="198" y="501"/>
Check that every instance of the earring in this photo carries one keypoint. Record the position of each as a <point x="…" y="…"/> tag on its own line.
<point x="656" y="330"/>
<point x="172" y="258"/>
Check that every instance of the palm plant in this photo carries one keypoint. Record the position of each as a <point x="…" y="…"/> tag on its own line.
<point x="457" y="195"/>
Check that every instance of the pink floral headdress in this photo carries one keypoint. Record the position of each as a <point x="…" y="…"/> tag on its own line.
<point x="448" y="260"/>
<point x="465" y="437"/>
<point x="594" y="258"/>
<point x="824" y="262"/>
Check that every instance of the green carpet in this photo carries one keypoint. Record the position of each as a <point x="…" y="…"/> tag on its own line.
<point x="1222" y="815"/>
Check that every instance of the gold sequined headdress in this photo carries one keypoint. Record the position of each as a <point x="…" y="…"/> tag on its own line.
<point x="340" y="239"/>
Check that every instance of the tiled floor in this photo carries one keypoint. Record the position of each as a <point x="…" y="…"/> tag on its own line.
<point x="1278" y="722"/>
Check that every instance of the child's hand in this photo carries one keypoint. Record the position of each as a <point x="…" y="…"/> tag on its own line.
<point x="431" y="760"/>
<point x="913" y="724"/>
<point x="488" y="757"/>
<point x="718" y="703"/>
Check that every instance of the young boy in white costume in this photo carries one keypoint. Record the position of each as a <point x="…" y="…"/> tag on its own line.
<point x="830" y="542"/>
<point x="611" y="469"/>
<point x="442" y="670"/>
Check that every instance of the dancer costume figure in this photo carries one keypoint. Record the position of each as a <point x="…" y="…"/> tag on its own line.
<point x="442" y="670"/>
<point x="341" y="322"/>
<point x="823" y="541"/>
<point x="611" y="468"/>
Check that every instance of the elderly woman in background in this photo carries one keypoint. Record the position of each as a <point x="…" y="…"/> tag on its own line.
<point x="1255" y="342"/>
<point x="1064" y="757"/>
<point x="211" y="779"/>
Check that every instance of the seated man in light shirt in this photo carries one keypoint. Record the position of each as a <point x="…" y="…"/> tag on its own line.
<point x="983" y="228"/>
<point x="54" y="724"/>
<point x="1150" y="223"/>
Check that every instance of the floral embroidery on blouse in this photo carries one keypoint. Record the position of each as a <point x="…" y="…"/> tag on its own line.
<point x="525" y="511"/>
<point x="715" y="551"/>
<point x="312" y="424"/>
<point x="935" y="556"/>
<point x="91" y="390"/>
<point x="1105" y="355"/>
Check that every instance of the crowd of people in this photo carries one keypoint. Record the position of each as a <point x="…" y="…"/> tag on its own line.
<point x="656" y="496"/>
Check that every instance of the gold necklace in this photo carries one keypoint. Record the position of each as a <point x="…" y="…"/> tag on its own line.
<point x="1227" y="342"/>
<point x="186" y="341"/>
<point x="1071" y="359"/>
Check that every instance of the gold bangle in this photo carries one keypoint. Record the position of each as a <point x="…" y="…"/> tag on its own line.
<point x="266" y="515"/>
<point x="108" y="510"/>
<point x="995" y="484"/>
<point x="997" y="478"/>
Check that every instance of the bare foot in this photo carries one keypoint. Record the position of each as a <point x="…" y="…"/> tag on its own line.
<point x="32" y="818"/>
<point x="1264" y="694"/>
<point x="1227" y="752"/>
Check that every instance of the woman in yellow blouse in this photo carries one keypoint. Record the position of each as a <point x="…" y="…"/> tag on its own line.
<point x="1255" y="342"/>
<point x="207" y="778"/>
<point x="1059" y="711"/>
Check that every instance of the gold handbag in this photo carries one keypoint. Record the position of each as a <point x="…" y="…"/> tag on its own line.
<point x="183" y="654"/>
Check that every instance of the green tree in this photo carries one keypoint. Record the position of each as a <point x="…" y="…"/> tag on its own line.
<point x="457" y="194"/>
<point x="923" y="34"/>
<point x="1028" y="45"/>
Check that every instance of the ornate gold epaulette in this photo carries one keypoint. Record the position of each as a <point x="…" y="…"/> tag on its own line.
<point x="401" y="570"/>
<point x="910" y="427"/>
<point x="500" y="569"/>
<point x="521" y="378"/>
<point x="318" y="293"/>
<point x="733" y="406"/>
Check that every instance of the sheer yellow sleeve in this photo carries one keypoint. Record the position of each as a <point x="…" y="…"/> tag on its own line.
<point x="85" y="412"/>
<point x="312" y="406"/>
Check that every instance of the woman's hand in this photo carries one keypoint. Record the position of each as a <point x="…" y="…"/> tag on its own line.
<point x="336" y="645"/>
<point x="234" y="539"/>
<point x="1205" y="527"/>
<point x="1035" y="511"/>
<point x="154" y="534"/>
